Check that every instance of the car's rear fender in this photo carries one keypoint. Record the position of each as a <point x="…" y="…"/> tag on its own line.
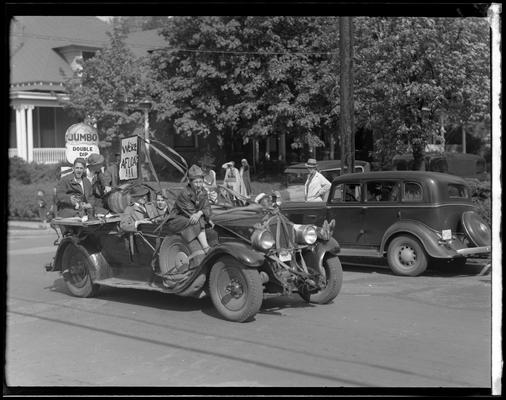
<point x="101" y="268"/>
<point x="427" y="237"/>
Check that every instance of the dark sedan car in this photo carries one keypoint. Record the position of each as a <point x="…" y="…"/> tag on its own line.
<point x="411" y="217"/>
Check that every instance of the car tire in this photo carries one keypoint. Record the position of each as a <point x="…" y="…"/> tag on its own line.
<point x="236" y="291"/>
<point x="406" y="256"/>
<point x="76" y="271"/>
<point x="334" y="280"/>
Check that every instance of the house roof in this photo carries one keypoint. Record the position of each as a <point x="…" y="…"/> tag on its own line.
<point x="143" y="41"/>
<point x="39" y="42"/>
<point x="35" y="40"/>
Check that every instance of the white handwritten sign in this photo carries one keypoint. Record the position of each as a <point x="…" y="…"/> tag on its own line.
<point x="128" y="167"/>
<point x="80" y="141"/>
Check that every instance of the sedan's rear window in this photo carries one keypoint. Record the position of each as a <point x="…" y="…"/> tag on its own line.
<point x="456" y="191"/>
<point x="412" y="192"/>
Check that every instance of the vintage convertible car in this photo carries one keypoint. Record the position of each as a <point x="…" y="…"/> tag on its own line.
<point x="255" y="251"/>
<point x="409" y="217"/>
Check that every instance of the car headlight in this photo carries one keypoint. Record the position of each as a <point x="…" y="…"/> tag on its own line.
<point x="262" y="239"/>
<point x="305" y="234"/>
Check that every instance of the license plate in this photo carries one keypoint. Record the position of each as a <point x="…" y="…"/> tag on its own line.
<point x="447" y="234"/>
<point x="284" y="257"/>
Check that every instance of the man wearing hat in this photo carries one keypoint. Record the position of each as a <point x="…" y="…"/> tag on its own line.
<point x="100" y="180"/>
<point x="316" y="185"/>
<point x="192" y="210"/>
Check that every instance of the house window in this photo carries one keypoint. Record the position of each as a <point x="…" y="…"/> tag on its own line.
<point x="87" y="55"/>
<point x="50" y="125"/>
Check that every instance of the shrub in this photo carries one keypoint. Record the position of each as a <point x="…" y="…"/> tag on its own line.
<point x="481" y="192"/>
<point x="27" y="173"/>
<point x="23" y="202"/>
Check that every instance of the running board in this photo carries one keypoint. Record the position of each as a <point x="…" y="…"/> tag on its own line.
<point x="131" y="284"/>
<point x="347" y="252"/>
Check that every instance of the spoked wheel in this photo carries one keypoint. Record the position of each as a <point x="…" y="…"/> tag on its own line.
<point x="406" y="256"/>
<point x="236" y="291"/>
<point x="175" y="253"/>
<point x="76" y="272"/>
<point x="331" y="276"/>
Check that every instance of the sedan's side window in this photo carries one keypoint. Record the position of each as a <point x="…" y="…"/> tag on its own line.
<point x="352" y="192"/>
<point x="346" y="192"/>
<point x="337" y="194"/>
<point x="412" y="192"/>
<point x="382" y="191"/>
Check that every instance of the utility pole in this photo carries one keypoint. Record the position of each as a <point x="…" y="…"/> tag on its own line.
<point x="346" y="123"/>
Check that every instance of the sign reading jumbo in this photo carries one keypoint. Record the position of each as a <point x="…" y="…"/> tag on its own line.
<point x="81" y="140"/>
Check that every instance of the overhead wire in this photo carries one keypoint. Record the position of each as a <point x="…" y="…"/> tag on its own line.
<point x="175" y="49"/>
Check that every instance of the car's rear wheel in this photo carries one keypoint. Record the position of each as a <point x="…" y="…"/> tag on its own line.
<point x="236" y="291"/>
<point x="76" y="272"/>
<point x="332" y="274"/>
<point x="406" y="256"/>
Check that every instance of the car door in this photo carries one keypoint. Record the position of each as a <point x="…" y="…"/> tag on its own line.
<point x="381" y="208"/>
<point x="344" y="205"/>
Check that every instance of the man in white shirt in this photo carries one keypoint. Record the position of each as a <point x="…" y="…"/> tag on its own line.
<point x="316" y="184"/>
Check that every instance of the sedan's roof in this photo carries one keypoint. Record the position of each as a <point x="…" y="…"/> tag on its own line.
<point x="415" y="175"/>
<point x="323" y="165"/>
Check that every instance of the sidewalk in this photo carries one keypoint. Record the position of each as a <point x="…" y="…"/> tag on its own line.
<point x="28" y="226"/>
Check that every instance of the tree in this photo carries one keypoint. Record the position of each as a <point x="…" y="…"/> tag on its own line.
<point x="108" y="90"/>
<point x="247" y="76"/>
<point x="411" y="70"/>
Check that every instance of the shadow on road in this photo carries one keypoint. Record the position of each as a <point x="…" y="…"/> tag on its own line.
<point x="172" y="302"/>
<point x="473" y="267"/>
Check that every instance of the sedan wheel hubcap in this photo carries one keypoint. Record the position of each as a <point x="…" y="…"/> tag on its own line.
<point x="407" y="255"/>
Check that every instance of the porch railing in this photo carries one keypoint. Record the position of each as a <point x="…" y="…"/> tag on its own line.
<point x="49" y="155"/>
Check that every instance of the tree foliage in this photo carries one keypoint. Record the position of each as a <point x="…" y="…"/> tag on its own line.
<point x="248" y="76"/>
<point x="108" y="90"/>
<point x="412" y="71"/>
<point x="258" y="76"/>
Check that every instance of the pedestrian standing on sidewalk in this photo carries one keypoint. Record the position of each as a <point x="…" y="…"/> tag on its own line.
<point x="245" y="176"/>
<point x="316" y="185"/>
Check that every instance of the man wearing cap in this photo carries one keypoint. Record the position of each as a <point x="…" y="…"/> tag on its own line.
<point x="136" y="212"/>
<point x="316" y="184"/>
<point x="100" y="180"/>
<point x="264" y="200"/>
<point x="192" y="210"/>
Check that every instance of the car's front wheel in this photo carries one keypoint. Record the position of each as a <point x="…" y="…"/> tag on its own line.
<point x="236" y="291"/>
<point x="76" y="272"/>
<point x="406" y="256"/>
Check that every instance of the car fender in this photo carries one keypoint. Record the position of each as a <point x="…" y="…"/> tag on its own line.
<point x="427" y="237"/>
<point x="240" y="251"/>
<point x="101" y="268"/>
<point x="329" y="246"/>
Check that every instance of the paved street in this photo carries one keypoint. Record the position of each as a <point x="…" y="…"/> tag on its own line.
<point x="381" y="331"/>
